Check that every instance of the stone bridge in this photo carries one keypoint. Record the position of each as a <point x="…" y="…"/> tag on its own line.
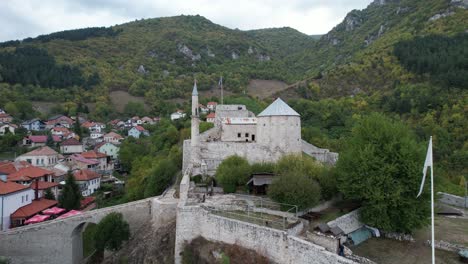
<point x="60" y="241"/>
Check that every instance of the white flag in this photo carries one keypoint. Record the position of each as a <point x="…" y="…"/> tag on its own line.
<point x="427" y="163"/>
<point x="220" y="82"/>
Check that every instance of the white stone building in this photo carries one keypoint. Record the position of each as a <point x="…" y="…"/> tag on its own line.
<point x="89" y="181"/>
<point x="12" y="197"/>
<point x="41" y="157"/>
<point x="275" y="132"/>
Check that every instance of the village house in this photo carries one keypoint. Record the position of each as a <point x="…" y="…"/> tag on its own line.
<point x="94" y="127"/>
<point x="38" y="141"/>
<point x="42" y="157"/>
<point x="89" y="181"/>
<point x="212" y="105"/>
<point x="178" y="115"/>
<point x="2" y="111"/>
<point x="6" y="118"/>
<point x="34" y="125"/>
<point x="148" y="120"/>
<point x="211" y="117"/>
<point x="34" y="207"/>
<point x="38" y="179"/>
<point x="110" y="149"/>
<point x="59" y="121"/>
<point x="12" y="197"/>
<point x="105" y="163"/>
<point x="136" y="121"/>
<point x="59" y="131"/>
<point x="137" y="131"/>
<point x="7" y="128"/>
<point x="113" y="137"/>
<point x="203" y="109"/>
<point x="77" y="161"/>
<point x="71" y="146"/>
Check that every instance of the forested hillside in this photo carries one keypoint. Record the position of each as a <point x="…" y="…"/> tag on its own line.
<point x="404" y="58"/>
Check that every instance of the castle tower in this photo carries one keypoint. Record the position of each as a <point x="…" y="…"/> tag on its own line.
<point x="279" y="128"/>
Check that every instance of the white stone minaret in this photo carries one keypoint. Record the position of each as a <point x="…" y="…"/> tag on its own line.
<point x="195" y="116"/>
<point x="194" y="142"/>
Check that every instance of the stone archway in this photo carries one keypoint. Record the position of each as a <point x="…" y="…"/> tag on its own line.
<point x="80" y="242"/>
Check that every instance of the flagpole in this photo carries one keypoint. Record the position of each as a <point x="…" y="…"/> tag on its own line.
<point x="432" y="210"/>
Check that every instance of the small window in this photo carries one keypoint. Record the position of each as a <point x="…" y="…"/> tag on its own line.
<point x="246" y="134"/>
<point x="27" y="197"/>
<point x="239" y="135"/>
<point x="22" y="199"/>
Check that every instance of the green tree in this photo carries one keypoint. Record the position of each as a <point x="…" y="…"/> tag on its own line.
<point x="295" y="181"/>
<point x="71" y="195"/>
<point x="77" y="127"/>
<point x="111" y="231"/>
<point x="160" y="177"/>
<point x="232" y="172"/>
<point x="50" y="140"/>
<point x="135" y="108"/>
<point x="49" y="194"/>
<point x="381" y="167"/>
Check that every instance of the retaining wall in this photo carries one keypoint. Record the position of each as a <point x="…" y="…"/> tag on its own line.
<point x="454" y="200"/>
<point x="194" y="221"/>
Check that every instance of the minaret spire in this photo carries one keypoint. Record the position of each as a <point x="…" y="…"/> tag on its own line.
<point x="194" y="141"/>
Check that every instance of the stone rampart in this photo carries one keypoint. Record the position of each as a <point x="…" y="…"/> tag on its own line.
<point x="194" y="221"/>
<point x="59" y="241"/>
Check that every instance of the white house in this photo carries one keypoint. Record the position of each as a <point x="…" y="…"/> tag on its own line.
<point x="112" y="137"/>
<point x="178" y="115"/>
<point x="105" y="164"/>
<point x="12" y="197"/>
<point x="212" y="105"/>
<point x="89" y="181"/>
<point x="211" y="117"/>
<point x="71" y="146"/>
<point x="137" y="131"/>
<point x="42" y="157"/>
<point x="7" y="128"/>
<point x="109" y="149"/>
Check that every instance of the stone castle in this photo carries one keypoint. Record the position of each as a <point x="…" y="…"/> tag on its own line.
<point x="275" y="132"/>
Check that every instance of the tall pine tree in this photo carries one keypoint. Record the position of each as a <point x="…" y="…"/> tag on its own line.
<point x="71" y="194"/>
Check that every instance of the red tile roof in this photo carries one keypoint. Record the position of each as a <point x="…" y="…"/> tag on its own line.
<point x="85" y="175"/>
<point x="211" y="115"/>
<point x="11" y="187"/>
<point x="86" y="201"/>
<point x="61" y="129"/>
<point x="33" y="208"/>
<point x="42" y="185"/>
<point x="78" y="157"/>
<point x="9" y="167"/>
<point x="93" y="155"/>
<point x="114" y="135"/>
<point x="42" y="151"/>
<point x="71" y="142"/>
<point x="140" y="128"/>
<point x="42" y="139"/>
<point x="28" y="173"/>
<point x="4" y="115"/>
<point x="212" y="103"/>
<point x="88" y="124"/>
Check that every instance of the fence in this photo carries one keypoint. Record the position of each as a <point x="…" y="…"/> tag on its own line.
<point x="258" y="211"/>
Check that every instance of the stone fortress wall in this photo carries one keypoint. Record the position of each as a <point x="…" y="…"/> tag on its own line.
<point x="60" y="241"/>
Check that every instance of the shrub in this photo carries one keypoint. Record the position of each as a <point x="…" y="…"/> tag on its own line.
<point x="232" y="172"/>
<point x="111" y="231"/>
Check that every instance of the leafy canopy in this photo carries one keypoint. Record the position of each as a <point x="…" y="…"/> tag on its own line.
<point x="232" y="172"/>
<point x="381" y="167"/>
<point x="111" y="231"/>
<point x="71" y="194"/>
<point x="296" y="181"/>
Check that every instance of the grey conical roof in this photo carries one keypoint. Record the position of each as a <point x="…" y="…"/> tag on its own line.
<point x="195" y="91"/>
<point x="278" y="108"/>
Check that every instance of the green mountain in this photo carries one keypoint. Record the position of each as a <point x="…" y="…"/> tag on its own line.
<point x="160" y="55"/>
<point x="357" y="55"/>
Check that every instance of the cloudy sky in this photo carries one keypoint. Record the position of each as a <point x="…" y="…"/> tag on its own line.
<point x="28" y="18"/>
